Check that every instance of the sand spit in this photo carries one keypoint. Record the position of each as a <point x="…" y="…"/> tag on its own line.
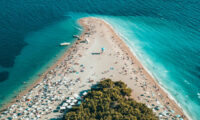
<point x="98" y="54"/>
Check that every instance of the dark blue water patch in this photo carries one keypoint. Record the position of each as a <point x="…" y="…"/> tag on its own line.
<point x="41" y="52"/>
<point x="9" y="48"/>
<point x="17" y="19"/>
<point x="4" y="76"/>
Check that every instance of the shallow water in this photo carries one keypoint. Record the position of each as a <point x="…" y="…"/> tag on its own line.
<point x="164" y="35"/>
<point x="41" y="52"/>
<point x="171" y="61"/>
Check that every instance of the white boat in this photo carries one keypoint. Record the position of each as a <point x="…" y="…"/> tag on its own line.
<point x="75" y="36"/>
<point x="65" y="43"/>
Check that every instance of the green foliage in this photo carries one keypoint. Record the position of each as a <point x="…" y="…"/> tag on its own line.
<point x="110" y="101"/>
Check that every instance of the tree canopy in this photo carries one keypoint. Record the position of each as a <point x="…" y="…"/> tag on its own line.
<point x="110" y="100"/>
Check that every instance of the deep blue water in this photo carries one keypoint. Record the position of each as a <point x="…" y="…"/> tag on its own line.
<point x="164" y="35"/>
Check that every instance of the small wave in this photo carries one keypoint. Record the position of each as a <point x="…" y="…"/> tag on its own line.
<point x="78" y="28"/>
<point x="166" y="71"/>
<point x="198" y="94"/>
<point x="186" y="82"/>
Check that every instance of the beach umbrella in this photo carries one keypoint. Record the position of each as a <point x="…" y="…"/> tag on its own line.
<point x="71" y="98"/>
<point x="38" y="116"/>
<point x="20" y="109"/>
<point x="85" y="93"/>
<point x="69" y="107"/>
<point x="63" y="108"/>
<point x="72" y="104"/>
<point x="102" y="49"/>
<point x="19" y="114"/>
<point x="76" y="95"/>
<point x="10" y="118"/>
<point x="25" y="111"/>
<point x="68" y="101"/>
<point x="5" y="112"/>
<point x="78" y="98"/>
<point x="172" y="111"/>
<point x="156" y="108"/>
<point x="111" y="68"/>
<point x="79" y="102"/>
<point x="31" y="114"/>
<point x="75" y="100"/>
<point x="65" y="104"/>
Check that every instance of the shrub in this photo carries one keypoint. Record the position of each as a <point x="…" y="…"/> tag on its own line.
<point x="110" y="101"/>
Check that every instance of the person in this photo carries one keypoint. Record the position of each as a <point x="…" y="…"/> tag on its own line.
<point x="102" y="50"/>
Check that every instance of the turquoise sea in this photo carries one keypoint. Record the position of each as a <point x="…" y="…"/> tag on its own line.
<point x="163" y="34"/>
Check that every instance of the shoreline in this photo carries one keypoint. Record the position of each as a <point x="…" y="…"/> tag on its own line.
<point x="149" y="72"/>
<point x="35" y="82"/>
<point x="166" y="91"/>
<point x="125" y="48"/>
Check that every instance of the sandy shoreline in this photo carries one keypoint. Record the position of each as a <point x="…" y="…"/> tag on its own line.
<point x="31" y="86"/>
<point x="147" y="73"/>
<point x="117" y="63"/>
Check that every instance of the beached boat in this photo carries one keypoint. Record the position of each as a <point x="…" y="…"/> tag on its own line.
<point x="64" y="44"/>
<point x="76" y="36"/>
